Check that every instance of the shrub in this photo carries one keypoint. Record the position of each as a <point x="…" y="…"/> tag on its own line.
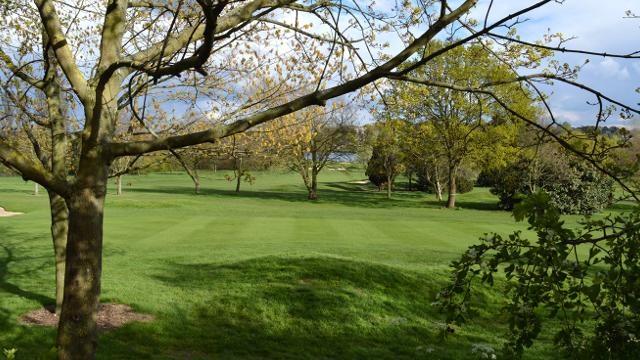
<point x="464" y="184"/>
<point x="593" y="295"/>
<point x="574" y="187"/>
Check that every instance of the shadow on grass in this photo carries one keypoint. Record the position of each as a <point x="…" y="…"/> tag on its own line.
<point x="8" y="257"/>
<point x="293" y="308"/>
<point x="348" y="194"/>
<point x="19" y="263"/>
<point x="468" y="204"/>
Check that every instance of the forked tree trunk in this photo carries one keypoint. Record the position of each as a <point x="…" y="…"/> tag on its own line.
<point x="439" y="190"/>
<point x="77" y="333"/>
<point x="451" y="200"/>
<point x="59" y="227"/>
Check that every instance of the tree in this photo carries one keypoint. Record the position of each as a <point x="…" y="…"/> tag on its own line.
<point x="387" y="159"/>
<point x="43" y="141"/>
<point x="107" y="54"/>
<point x="237" y="148"/>
<point x="458" y="122"/>
<point x="306" y="141"/>
<point x="422" y="154"/>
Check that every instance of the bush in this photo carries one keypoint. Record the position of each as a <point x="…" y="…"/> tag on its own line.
<point x="592" y="295"/>
<point x="487" y="178"/>
<point x="573" y="186"/>
<point x="375" y="169"/>
<point x="511" y="184"/>
<point x="464" y="184"/>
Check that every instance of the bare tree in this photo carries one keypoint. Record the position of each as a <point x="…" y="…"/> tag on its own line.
<point x="307" y="141"/>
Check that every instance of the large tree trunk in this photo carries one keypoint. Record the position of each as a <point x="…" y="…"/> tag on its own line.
<point x="59" y="227"/>
<point x="77" y="333"/>
<point x="451" y="200"/>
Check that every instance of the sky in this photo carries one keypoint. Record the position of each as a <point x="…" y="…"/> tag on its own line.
<point x="593" y="25"/>
<point x="597" y="26"/>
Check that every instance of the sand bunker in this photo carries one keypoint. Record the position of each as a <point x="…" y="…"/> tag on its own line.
<point x="5" y="213"/>
<point x="110" y="316"/>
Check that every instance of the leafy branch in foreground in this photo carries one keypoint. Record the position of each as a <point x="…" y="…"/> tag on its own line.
<point x="587" y="279"/>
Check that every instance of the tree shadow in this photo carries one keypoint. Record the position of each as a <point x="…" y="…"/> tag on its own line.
<point x="294" y="308"/>
<point x="8" y="257"/>
<point x="468" y="204"/>
<point x="18" y="263"/>
<point x="342" y="193"/>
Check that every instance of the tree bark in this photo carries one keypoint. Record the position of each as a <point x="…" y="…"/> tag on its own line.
<point x="119" y="185"/>
<point x="451" y="200"/>
<point x="36" y="189"/>
<point x="59" y="229"/>
<point x="388" y="187"/>
<point x="439" y="190"/>
<point x="313" y="189"/>
<point x="77" y="332"/>
<point x="238" y="181"/>
<point x="239" y="173"/>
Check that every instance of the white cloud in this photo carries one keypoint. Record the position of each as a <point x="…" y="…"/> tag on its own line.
<point x="611" y="68"/>
<point x="571" y="117"/>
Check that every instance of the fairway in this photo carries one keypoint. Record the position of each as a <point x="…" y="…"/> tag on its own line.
<point x="264" y="273"/>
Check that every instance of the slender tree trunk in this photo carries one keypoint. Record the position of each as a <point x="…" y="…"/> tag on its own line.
<point x="119" y="185"/>
<point x="77" y="332"/>
<point x="388" y="186"/>
<point x="239" y="173"/>
<point x="193" y="174"/>
<point x="451" y="200"/>
<point x="313" y="189"/>
<point x="36" y="189"/>
<point x="59" y="227"/>
<point x="410" y="178"/>
<point x="439" y="190"/>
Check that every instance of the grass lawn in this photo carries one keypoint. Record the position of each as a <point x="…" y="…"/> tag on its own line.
<point x="264" y="273"/>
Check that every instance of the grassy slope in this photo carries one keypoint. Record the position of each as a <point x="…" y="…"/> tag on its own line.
<point x="261" y="274"/>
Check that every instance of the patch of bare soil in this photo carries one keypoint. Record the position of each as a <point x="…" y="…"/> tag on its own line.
<point x="110" y="316"/>
<point x="5" y="213"/>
